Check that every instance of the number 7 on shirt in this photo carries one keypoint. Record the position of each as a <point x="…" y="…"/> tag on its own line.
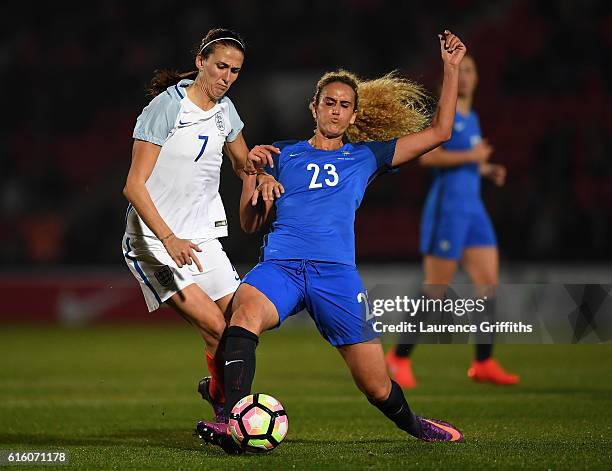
<point x="205" y="139"/>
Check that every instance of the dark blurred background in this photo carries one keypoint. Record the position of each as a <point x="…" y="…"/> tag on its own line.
<point x="74" y="78"/>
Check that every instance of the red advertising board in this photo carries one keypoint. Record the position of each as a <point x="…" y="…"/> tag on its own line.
<point x="74" y="299"/>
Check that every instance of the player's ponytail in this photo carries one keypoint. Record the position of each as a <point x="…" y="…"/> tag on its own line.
<point x="164" y="78"/>
<point x="390" y="107"/>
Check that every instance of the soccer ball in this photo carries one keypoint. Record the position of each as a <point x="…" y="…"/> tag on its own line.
<point x="258" y="423"/>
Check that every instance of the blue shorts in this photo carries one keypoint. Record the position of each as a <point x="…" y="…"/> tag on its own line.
<point x="447" y="234"/>
<point x="332" y="293"/>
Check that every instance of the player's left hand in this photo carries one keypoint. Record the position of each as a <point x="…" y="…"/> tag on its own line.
<point x="451" y="48"/>
<point x="268" y="188"/>
<point x="260" y="156"/>
<point x="495" y="172"/>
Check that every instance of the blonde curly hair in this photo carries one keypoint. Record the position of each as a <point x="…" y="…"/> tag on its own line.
<point x="387" y="107"/>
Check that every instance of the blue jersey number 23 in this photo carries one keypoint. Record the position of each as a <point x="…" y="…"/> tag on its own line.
<point x="331" y="171"/>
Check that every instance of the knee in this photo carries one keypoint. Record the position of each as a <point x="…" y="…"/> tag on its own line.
<point x="212" y="328"/>
<point x="247" y="317"/>
<point x="434" y="290"/>
<point x="487" y="289"/>
<point x="376" y="392"/>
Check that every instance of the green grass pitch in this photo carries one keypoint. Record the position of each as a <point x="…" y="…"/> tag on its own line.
<point x="125" y="398"/>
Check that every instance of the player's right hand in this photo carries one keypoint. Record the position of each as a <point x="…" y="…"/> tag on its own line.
<point x="268" y="188"/>
<point x="496" y="173"/>
<point x="451" y="48"/>
<point x="182" y="251"/>
<point x="261" y="156"/>
<point x="482" y="151"/>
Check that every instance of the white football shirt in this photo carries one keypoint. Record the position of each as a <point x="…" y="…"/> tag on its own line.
<point x="184" y="184"/>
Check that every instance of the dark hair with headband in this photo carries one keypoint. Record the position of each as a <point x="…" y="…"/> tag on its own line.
<point x="220" y="36"/>
<point x="164" y="78"/>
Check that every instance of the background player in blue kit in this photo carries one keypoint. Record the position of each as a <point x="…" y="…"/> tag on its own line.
<point x="456" y="228"/>
<point x="308" y="258"/>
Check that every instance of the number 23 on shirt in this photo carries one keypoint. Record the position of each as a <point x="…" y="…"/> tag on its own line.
<point x="329" y="178"/>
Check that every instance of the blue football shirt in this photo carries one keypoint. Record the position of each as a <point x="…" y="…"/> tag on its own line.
<point x="315" y="217"/>
<point x="458" y="188"/>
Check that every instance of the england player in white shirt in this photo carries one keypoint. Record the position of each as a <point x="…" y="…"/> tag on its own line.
<point x="175" y="208"/>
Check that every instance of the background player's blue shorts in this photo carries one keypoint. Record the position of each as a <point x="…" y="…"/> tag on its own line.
<point x="446" y="235"/>
<point x="332" y="293"/>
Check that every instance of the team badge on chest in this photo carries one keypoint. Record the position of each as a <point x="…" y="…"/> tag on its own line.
<point x="219" y="121"/>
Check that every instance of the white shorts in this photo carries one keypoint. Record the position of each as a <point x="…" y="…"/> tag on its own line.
<point x="160" y="277"/>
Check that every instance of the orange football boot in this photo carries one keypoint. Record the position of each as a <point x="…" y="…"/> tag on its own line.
<point x="490" y="371"/>
<point x="400" y="369"/>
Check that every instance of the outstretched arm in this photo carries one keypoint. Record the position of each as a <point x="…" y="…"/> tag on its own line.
<point x="440" y="157"/>
<point x="413" y="145"/>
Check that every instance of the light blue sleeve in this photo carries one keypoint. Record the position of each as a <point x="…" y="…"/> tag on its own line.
<point x="235" y="121"/>
<point x="157" y="119"/>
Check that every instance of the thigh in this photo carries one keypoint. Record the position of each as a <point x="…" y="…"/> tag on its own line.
<point x="439" y="272"/>
<point x="271" y="291"/>
<point x="482" y="265"/>
<point x="338" y="303"/>
<point x="480" y="257"/>
<point x="366" y="363"/>
<point x="198" y="308"/>
<point x="225" y="304"/>
<point x="218" y="278"/>
<point x="252" y="310"/>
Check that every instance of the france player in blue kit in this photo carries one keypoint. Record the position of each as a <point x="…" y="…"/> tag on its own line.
<point x="308" y="257"/>
<point x="313" y="235"/>
<point x="454" y="216"/>
<point x="456" y="228"/>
